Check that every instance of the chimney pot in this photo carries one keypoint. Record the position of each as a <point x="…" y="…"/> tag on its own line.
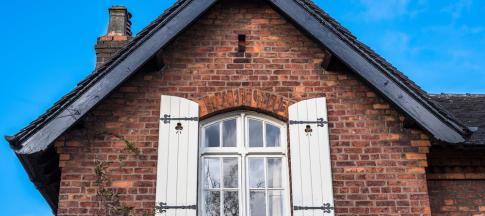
<point x="119" y="21"/>
<point x="117" y="35"/>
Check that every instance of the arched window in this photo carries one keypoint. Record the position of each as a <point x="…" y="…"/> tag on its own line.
<point x="241" y="162"/>
<point x="243" y="166"/>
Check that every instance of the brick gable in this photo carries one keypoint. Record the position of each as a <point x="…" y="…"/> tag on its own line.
<point x="378" y="165"/>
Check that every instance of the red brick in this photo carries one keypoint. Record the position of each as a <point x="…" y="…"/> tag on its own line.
<point x="376" y="164"/>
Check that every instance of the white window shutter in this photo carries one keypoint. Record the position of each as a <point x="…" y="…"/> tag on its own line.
<point x="311" y="173"/>
<point x="177" y="157"/>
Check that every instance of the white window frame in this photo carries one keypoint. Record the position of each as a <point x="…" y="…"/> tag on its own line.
<point x="242" y="153"/>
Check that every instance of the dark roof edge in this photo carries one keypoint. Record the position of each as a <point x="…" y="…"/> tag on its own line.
<point x="50" y="198"/>
<point x="383" y="65"/>
<point x="13" y="141"/>
<point x="457" y="94"/>
<point x="468" y="108"/>
<point x="359" y="58"/>
<point x="99" y="73"/>
<point x="372" y="69"/>
<point x="113" y="73"/>
<point x="380" y="62"/>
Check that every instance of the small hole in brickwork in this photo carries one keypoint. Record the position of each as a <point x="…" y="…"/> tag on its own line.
<point x="241" y="47"/>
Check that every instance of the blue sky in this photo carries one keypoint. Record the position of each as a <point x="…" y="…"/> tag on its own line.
<point x="48" y="47"/>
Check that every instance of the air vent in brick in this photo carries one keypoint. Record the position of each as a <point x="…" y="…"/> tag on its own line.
<point x="241" y="55"/>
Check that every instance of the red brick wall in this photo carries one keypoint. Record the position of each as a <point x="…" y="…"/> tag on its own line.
<point x="378" y="167"/>
<point x="457" y="197"/>
<point x="456" y="181"/>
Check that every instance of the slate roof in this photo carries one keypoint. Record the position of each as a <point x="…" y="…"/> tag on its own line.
<point x="39" y="174"/>
<point x="470" y="109"/>
<point x="96" y="75"/>
<point x="345" y="34"/>
<point x="47" y="180"/>
<point x="379" y="60"/>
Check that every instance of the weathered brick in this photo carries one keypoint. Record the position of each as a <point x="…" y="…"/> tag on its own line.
<point x="372" y="171"/>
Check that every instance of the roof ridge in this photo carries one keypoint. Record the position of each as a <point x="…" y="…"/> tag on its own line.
<point x="380" y="61"/>
<point x="344" y="34"/>
<point x="97" y="74"/>
<point x="458" y="94"/>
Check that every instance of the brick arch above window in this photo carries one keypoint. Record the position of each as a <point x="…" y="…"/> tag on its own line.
<point x="245" y="98"/>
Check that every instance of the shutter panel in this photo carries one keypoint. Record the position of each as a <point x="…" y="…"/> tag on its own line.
<point x="177" y="157"/>
<point x="311" y="173"/>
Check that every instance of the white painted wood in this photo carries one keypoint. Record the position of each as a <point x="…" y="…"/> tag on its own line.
<point x="314" y="153"/>
<point x="310" y="158"/>
<point x="177" y="156"/>
<point x="296" y="179"/>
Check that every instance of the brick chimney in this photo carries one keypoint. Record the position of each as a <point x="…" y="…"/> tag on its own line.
<point x="118" y="34"/>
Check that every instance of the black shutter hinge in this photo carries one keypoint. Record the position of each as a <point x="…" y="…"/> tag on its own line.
<point x="163" y="207"/>
<point x="166" y="119"/>
<point x="320" y="122"/>
<point x="326" y="208"/>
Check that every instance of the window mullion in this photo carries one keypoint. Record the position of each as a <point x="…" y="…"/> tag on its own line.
<point x="243" y="177"/>
<point x="264" y="134"/>
<point x="266" y="184"/>
<point x="221" y="174"/>
<point x="244" y="153"/>
<point x="221" y="145"/>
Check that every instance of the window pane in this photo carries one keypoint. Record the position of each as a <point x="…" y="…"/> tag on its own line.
<point x="275" y="203"/>
<point x="274" y="172"/>
<point x="212" y="203"/>
<point x="231" y="203"/>
<point x="272" y="136"/>
<point x="255" y="133"/>
<point x="212" y="172"/>
<point x="212" y="138"/>
<point x="229" y="133"/>
<point x="257" y="203"/>
<point x="256" y="173"/>
<point x="230" y="172"/>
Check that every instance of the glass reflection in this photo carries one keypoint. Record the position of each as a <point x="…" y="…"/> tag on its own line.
<point x="229" y="129"/>
<point x="272" y="136"/>
<point x="212" y="203"/>
<point x="231" y="203"/>
<point x="275" y="203"/>
<point x="212" y="172"/>
<point x="256" y="173"/>
<point x="230" y="172"/>
<point x="255" y="133"/>
<point x="274" y="173"/>
<point x="257" y="203"/>
<point x="212" y="137"/>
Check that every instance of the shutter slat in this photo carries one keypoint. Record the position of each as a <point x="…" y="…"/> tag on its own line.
<point x="183" y="140"/>
<point x="173" y="146"/>
<point x="295" y="164"/>
<point x="325" y="156"/>
<point x="305" y="167"/>
<point x="177" y="157"/>
<point x="162" y="162"/>
<point x="310" y="158"/>
<point x="192" y="160"/>
<point x="315" y="155"/>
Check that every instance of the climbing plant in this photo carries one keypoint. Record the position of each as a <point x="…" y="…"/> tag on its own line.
<point x="108" y="196"/>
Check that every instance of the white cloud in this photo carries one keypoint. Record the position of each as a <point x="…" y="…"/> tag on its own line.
<point x="398" y="45"/>
<point x="381" y="10"/>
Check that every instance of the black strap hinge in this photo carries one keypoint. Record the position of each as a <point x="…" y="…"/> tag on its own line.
<point x="163" y="207"/>
<point x="167" y="118"/>
<point x="320" y="122"/>
<point x="326" y="208"/>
